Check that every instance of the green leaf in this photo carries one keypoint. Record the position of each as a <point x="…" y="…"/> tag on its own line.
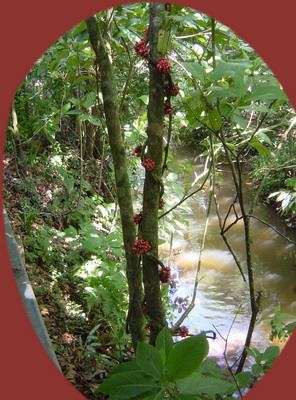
<point x="243" y="379"/>
<point x="144" y="99"/>
<point x="267" y="93"/>
<point x="241" y="82"/>
<point x="195" y="69"/>
<point x="149" y="359"/>
<point x="125" y="367"/>
<point x="155" y="396"/>
<point x="89" y="100"/>
<point x="214" y="121"/>
<point x="182" y="396"/>
<point x="66" y="107"/>
<point x="186" y="356"/>
<point x="128" y="384"/>
<point x="197" y="383"/>
<point x="257" y="369"/>
<point x="263" y="150"/>
<point x="254" y="353"/>
<point x="263" y="137"/>
<point x="229" y="68"/>
<point x="163" y="41"/>
<point x="271" y="353"/>
<point x="237" y="119"/>
<point x="164" y="341"/>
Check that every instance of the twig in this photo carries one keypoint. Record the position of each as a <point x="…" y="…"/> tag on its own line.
<point x="272" y="227"/>
<point x="192" y="303"/>
<point x="225" y="350"/>
<point x="186" y="197"/>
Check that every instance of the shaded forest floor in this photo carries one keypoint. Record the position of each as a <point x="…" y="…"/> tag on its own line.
<point x="61" y="301"/>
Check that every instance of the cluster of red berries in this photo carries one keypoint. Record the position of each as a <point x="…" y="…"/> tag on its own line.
<point x="163" y="66"/>
<point x="161" y="204"/>
<point x="148" y="164"/>
<point x="146" y="32"/>
<point x="137" y="217"/>
<point x="171" y="90"/>
<point x="167" y="7"/>
<point x="138" y="151"/>
<point x="168" y="108"/>
<point x="141" y="48"/>
<point x="183" y="331"/>
<point x="165" y="274"/>
<point x="141" y="247"/>
<point x="145" y="307"/>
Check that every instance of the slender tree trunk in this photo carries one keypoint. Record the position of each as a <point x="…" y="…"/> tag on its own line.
<point x="101" y="47"/>
<point x="21" y="159"/>
<point x="152" y="178"/>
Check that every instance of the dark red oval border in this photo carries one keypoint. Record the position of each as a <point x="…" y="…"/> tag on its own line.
<point x="27" y="29"/>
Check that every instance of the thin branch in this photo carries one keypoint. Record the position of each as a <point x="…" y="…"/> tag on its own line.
<point x="192" y="303"/>
<point x="194" y="34"/>
<point x="225" y="351"/>
<point x="272" y="227"/>
<point x="186" y="197"/>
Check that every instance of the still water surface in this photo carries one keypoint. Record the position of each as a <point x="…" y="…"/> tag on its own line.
<point x="222" y="293"/>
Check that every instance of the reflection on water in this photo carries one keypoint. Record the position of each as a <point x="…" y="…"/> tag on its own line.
<point x="222" y="294"/>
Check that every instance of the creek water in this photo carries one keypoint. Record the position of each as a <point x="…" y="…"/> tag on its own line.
<point x="222" y="303"/>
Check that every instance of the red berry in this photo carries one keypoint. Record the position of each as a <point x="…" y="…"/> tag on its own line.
<point x="145" y="308"/>
<point x="167" y="7"/>
<point x="183" y="331"/>
<point x="141" y="48"/>
<point x="168" y="108"/>
<point x="148" y="327"/>
<point x="171" y="90"/>
<point x="141" y="247"/>
<point x="163" y="66"/>
<point x="148" y="164"/>
<point x="138" y="151"/>
<point x="161" y="204"/>
<point x="137" y="218"/>
<point x="146" y="32"/>
<point x="165" y="274"/>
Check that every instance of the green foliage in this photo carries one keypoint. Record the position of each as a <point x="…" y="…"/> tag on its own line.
<point x="279" y="329"/>
<point x="287" y="197"/>
<point x="263" y="361"/>
<point x="168" y="371"/>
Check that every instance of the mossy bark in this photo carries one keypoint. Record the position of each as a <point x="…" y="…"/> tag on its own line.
<point x="151" y="186"/>
<point x="101" y="47"/>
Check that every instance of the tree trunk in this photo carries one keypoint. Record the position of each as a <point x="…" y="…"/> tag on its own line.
<point x="152" y="178"/>
<point x="21" y="159"/>
<point x="101" y="47"/>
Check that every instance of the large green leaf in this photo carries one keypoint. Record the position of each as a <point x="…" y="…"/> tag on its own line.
<point x="125" y="367"/>
<point x="262" y="150"/>
<point x="229" y="68"/>
<point x="214" y="120"/>
<point x="149" y="360"/>
<point x="243" y="379"/>
<point x="186" y="356"/>
<point x="155" y="396"/>
<point x="164" y="341"/>
<point x="267" y="93"/>
<point x="195" y="69"/>
<point x="271" y="353"/>
<point x="197" y="383"/>
<point x="128" y="384"/>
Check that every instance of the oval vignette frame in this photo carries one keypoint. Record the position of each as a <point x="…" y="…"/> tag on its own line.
<point x="27" y="30"/>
